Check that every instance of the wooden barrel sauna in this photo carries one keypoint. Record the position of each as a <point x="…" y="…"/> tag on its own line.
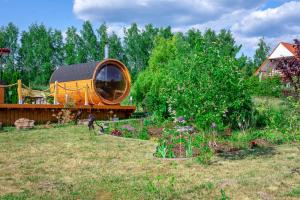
<point x="108" y="83"/>
<point x="2" y="92"/>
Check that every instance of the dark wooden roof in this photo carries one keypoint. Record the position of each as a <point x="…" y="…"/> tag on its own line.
<point x="74" y="72"/>
<point x="2" y="82"/>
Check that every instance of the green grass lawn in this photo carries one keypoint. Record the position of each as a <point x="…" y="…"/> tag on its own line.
<point x="71" y="163"/>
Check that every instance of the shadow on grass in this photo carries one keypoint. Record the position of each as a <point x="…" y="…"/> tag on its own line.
<point x="248" y="153"/>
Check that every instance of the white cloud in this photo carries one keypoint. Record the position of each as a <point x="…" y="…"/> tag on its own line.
<point x="249" y="20"/>
<point x="272" y="22"/>
<point x="158" y="12"/>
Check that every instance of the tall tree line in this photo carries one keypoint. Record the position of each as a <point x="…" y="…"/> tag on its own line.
<point x="36" y="52"/>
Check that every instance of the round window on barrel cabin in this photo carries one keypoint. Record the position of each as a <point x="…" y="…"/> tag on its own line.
<point x="110" y="82"/>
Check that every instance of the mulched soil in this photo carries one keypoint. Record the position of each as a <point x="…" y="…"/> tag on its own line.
<point x="155" y="131"/>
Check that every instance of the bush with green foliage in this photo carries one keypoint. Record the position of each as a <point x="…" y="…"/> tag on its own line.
<point x="199" y="81"/>
<point x="271" y="86"/>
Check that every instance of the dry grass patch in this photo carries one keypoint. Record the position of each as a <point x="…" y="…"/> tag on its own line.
<point x="71" y="163"/>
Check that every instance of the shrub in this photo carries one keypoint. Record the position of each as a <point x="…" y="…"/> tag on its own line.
<point x="271" y="86"/>
<point x="205" y="156"/>
<point x="143" y="135"/>
<point x="282" y="119"/>
<point x="199" y="81"/>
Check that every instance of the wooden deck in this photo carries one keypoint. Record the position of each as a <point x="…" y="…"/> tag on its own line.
<point x="9" y="113"/>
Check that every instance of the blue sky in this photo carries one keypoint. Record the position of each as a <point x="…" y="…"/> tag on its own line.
<point x="55" y="13"/>
<point x="249" y="20"/>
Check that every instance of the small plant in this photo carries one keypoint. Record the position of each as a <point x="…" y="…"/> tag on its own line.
<point x="189" y="148"/>
<point x="50" y="99"/>
<point x="143" y="135"/>
<point x="205" y="155"/>
<point x="128" y="134"/>
<point x="162" y="150"/>
<point x="295" y="192"/>
<point x="116" y="132"/>
<point x="223" y="195"/>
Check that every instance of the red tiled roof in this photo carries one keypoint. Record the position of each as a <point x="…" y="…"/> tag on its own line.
<point x="290" y="47"/>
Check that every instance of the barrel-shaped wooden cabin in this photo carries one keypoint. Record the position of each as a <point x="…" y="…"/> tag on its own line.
<point x="102" y="83"/>
<point x="2" y="92"/>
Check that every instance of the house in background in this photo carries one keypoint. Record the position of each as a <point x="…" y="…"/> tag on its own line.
<point x="268" y="68"/>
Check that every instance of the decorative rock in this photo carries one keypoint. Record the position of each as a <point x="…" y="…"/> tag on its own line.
<point x="185" y="129"/>
<point x="24" y="123"/>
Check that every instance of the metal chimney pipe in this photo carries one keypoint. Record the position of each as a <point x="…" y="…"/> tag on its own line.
<point x="106" y="51"/>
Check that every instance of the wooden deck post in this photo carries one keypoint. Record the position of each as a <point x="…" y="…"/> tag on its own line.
<point x="55" y="93"/>
<point x="20" y="98"/>
<point x="86" y="99"/>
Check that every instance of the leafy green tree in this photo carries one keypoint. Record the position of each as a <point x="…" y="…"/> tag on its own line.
<point x="74" y="47"/>
<point x="245" y="65"/>
<point x="193" y="37"/>
<point x="10" y="73"/>
<point x="133" y="49"/>
<point x="138" y="45"/>
<point x="2" y="33"/>
<point x="70" y="46"/>
<point x="165" y="32"/>
<point x="227" y="44"/>
<point x="249" y="67"/>
<point x="115" y="48"/>
<point x="10" y="35"/>
<point x="90" y="43"/>
<point x="148" y="36"/>
<point x="261" y="52"/>
<point x="58" y="46"/>
<point x="36" y="54"/>
<point x="102" y="32"/>
<point x="203" y="82"/>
